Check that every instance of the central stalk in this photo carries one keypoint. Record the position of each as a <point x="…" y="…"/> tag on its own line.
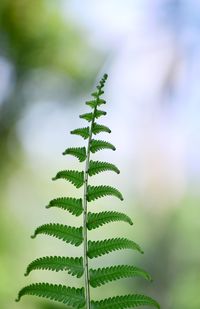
<point x="85" y="244"/>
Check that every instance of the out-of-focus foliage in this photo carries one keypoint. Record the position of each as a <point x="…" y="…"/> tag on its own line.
<point x="36" y="40"/>
<point x="34" y="34"/>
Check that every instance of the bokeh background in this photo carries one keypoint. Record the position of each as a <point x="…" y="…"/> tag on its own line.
<point x="52" y="53"/>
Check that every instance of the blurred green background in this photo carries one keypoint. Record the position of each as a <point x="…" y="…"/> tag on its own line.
<point x="52" y="53"/>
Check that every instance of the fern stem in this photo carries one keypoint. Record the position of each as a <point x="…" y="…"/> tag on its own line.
<point x="85" y="218"/>
<point x="85" y="212"/>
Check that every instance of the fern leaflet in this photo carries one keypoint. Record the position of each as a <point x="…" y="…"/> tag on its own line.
<point x="75" y="177"/>
<point x="97" y="145"/>
<point x="104" y="275"/>
<point x="95" y="192"/>
<point x="97" y="167"/>
<point x="87" y="116"/>
<point x="98" y="128"/>
<point x="95" y="103"/>
<point x="66" y="295"/>
<point x="73" y="205"/>
<point x="78" y="152"/>
<point x="102" y="247"/>
<point x="83" y="132"/>
<point x="98" y="94"/>
<point x="99" y="113"/>
<point x="74" y="266"/>
<point x="126" y="301"/>
<point x="96" y="220"/>
<point x="69" y="234"/>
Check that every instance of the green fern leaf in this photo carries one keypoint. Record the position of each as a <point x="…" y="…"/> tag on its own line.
<point x="96" y="167"/>
<point x="104" y="275"/>
<point x="100" y="101"/>
<point x="78" y="152"/>
<point x="75" y="177"/>
<point x="83" y="132"/>
<point x="99" y="113"/>
<point x="97" y="145"/>
<point x="125" y="301"/>
<point x="102" y="247"/>
<point x="92" y="103"/>
<point x="95" y="103"/>
<point x="96" y="220"/>
<point x="87" y="116"/>
<point x="97" y="128"/>
<point x="97" y="94"/>
<point x="95" y="192"/>
<point x="69" y="234"/>
<point x="66" y="295"/>
<point x="74" y="266"/>
<point x="73" y="205"/>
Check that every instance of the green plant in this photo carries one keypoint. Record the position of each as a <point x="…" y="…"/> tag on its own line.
<point x="79" y="266"/>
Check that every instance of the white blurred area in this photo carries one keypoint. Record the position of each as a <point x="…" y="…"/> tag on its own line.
<point x="153" y="90"/>
<point x="153" y="93"/>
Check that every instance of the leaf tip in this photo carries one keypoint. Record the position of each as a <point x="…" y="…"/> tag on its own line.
<point x="105" y="76"/>
<point x="54" y="178"/>
<point x="33" y="236"/>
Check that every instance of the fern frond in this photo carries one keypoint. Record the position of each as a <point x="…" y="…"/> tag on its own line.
<point x="83" y="132"/>
<point x="95" y="103"/>
<point x="95" y="192"/>
<point x="74" y="266"/>
<point x="96" y="220"/>
<point x="104" y="275"/>
<point x="69" y="234"/>
<point x="75" y="177"/>
<point x="73" y="205"/>
<point x="97" y="145"/>
<point x="78" y="152"/>
<point x="66" y="295"/>
<point x="97" y="128"/>
<point x="87" y="116"/>
<point x="101" y="247"/>
<point x="125" y="301"/>
<point x="96" y="167"/>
